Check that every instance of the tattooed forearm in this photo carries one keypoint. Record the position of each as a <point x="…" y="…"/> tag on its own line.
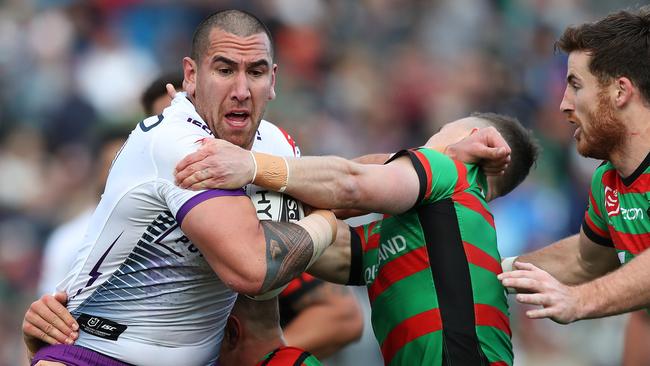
<point x="288" y="251"/>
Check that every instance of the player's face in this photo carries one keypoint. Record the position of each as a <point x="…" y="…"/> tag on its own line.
<point x="589" y="106"/>
<point x="232" y="84"/>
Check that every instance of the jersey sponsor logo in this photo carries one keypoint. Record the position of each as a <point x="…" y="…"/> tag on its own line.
<point x="100" y="327"/>
<point x="390" y="248"/>
<point x="386" y="250"/>
<point x="370" y="273"/>
<point x="632" y="214"/>
<point x="612" y="204"/>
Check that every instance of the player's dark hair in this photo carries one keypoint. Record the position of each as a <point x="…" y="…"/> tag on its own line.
<point x="523" y="145"/>
<point x="157" y="89"/>
<point x="619" y="45"/>
<point x="237" y="22"/>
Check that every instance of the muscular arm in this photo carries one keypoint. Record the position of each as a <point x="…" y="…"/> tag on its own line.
<point x="328" y="319"/>
<point x="620" y="291"/>
<point x="574" y="260"/>
<point x="251" y="257"/>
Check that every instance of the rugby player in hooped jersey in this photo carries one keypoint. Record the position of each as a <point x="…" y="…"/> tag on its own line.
<point x="143" y="291"/>
<point x="607" y="98"/>
<point x="431" y="265"/>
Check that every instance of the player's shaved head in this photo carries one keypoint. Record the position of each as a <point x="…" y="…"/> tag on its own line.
<point x="237" y="22"/>
<point x="260" y="317"/>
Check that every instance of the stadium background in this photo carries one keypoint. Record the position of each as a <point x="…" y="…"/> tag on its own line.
<point x="354" y="77"/>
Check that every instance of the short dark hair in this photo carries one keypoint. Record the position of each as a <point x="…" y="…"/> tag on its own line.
<point x="523" y="145"/>
<point x="237" y="22"/>
<point x="157" y="89"/>
<point x="619" y="45"/>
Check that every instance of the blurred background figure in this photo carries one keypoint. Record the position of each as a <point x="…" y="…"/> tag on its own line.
<point x="353" y="76"/>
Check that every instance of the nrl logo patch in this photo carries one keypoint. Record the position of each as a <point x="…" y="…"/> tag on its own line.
<point x="612" y="204"/>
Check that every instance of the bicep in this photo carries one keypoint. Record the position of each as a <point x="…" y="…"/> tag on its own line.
<point x="228" y="234"/>
<point x="392" y="188"/>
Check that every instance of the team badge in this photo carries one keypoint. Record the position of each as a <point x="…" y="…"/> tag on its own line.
<point x="612" y="204"/>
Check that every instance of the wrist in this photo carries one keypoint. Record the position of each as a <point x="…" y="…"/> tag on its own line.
<point x="321" y="225"/>
<point x="507" y="263"/>
<point x="270" y="171"/>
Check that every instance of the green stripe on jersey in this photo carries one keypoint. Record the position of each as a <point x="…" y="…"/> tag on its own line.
<point x="401" y="301"/>
<point x="495" y="344"/>
<point x="488" y="289"/>
<point x="424" y="350"/>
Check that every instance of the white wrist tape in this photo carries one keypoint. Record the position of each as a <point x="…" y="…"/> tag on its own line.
<point x="321" y="227"/>
<point x="506" y="266"/>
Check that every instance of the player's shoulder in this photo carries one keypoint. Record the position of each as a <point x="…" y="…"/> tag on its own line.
<point x="601" y="170"/>
<point x="272" y="139"/>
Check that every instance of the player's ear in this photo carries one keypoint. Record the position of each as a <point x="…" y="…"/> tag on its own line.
<point x="272" y="90"/>
<point x="189" y="75"/>
<point x="232" y="333"/>
<point x="624" y="91"/>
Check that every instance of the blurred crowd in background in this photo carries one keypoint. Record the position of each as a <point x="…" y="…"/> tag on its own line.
<point x="354" y="77"/>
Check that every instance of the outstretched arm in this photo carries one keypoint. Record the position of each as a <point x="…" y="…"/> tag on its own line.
<point x="574" y="259"/>
<point x="608" y="291"/>
<point x="329" y="182"/>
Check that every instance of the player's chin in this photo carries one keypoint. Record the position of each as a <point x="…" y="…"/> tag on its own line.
<point x="239" y="137"/>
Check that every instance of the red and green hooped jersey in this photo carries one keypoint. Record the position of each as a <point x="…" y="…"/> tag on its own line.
<point x="618" y="214"/>
<point x="431" y="272"/>
<point x="289" y="356"/>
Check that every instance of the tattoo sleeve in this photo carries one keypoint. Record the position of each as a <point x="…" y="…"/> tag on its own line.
<point x="288" y="251"/>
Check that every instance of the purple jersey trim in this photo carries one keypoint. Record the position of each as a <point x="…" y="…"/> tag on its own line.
<point x="74" y="355"/>
<point x="211" y="193"/>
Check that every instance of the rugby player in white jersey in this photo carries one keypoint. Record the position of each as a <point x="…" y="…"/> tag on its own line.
<point x="144" y="291"/>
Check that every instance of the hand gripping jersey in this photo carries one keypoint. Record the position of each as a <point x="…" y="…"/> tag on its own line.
<point x="618" y="214"/>
<point x="139" y="288"/>
<point x="431" y="272"/>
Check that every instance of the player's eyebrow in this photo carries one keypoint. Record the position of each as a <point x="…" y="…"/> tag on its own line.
<point x="571" y="78"/>
<point x="225" y="60"/>
<point x="258" y="63"/>
<point x="233" y="63"/>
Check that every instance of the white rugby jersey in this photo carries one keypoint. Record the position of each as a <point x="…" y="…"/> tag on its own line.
<point x="139" y="288"/>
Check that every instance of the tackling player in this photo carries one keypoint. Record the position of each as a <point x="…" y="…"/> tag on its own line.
<point x="431" y="265"/>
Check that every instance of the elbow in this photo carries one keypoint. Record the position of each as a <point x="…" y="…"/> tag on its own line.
<point x="246" y="281"/>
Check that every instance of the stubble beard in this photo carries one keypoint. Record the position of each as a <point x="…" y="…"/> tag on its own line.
<point x="606" y="132"/>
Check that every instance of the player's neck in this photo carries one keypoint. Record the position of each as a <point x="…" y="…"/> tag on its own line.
<point x="628" y="157"/>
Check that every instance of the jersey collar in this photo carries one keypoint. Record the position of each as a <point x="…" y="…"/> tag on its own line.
<point x="639" y="170"/>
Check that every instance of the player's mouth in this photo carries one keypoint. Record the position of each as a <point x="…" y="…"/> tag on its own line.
<point x="238" y="118"/>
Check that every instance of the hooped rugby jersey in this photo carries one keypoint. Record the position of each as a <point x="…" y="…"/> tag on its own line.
<point x="618" y="213"/>
<point x="140" y="289"/>
<point x="431" y="272"/>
